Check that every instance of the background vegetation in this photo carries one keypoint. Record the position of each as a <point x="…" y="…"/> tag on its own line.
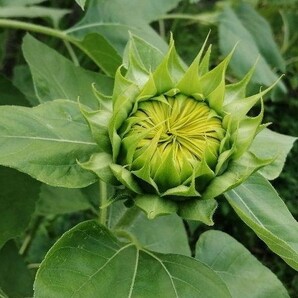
<point x="268" y="27"/>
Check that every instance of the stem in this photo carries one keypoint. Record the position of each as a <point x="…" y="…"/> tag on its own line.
<point x="35" y="28"/>
<point x="103" y="197"/>
<point x="71" y="53"/>
<point x="162" y="30"/>
<point x="127" y="218"/>
<point x="68" y="40"/>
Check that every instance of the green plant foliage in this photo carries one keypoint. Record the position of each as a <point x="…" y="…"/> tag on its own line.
<point x="241" y="25"/>
<point x="55" y="129"/>
<point x="243" y="274"/>
<point x="81" y="3"/>
<point x="169" y="233"/>
<point x="9" y="94"/>
<point x="114" y="19"/>
<point x="116" y="155"/>
<point x="57" y="200"/>
<point x="260" y="207"/>
<point x="90" y="258"/>
<point x="16" y="200"/>
<point x="270" y="144"/>
<point x="15" y="278"/>
<point x="28" y="9"/>
<point x="59" y="78"/>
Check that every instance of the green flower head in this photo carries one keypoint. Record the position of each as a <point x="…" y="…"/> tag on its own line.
<point x="180" y="136"/>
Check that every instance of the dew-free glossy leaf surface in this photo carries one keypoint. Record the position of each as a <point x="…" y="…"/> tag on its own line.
<point x="18" y="196"/>
<point x="259" y="206"/>
<point x="46" y="141"/>
<point x="243" y="274"/>
<point x="89" y="261"/>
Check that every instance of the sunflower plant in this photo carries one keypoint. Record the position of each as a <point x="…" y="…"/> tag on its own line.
<point x="141" y="156"/>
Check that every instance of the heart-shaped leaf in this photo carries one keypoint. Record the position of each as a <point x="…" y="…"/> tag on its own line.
<point x="89" y="261"/>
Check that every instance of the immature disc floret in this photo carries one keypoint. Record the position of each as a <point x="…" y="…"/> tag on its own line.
<point x="172" y="134"/>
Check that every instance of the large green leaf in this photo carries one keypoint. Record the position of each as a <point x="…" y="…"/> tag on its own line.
<point x="259" y="206"/>
<point x="115" y="19"/>
<point x="59" y="78"/>
<point x="18" y="196"/>
<point x="92" y="262"/>
<point x="59" y="200"/>
<point x="46" y="142"/>
<point x="251" y="33"/>
<point x="269" y="144"/>
<point x="243" y="274"/>
<point x="15" y="278"/>
<point x="262" y="34"/>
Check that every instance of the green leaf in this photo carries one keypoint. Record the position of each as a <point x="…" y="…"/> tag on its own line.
<point x="15" y="278"/>
<point x="99" y="164"/>
<point x="81" y="3"/>
<point x="232" y="29"/>
<point x="243" y="274"/>
<point x="269" y="144"/>
<point x="145" y="54"/>
<point x="115" y="19"/>
<point x="58" y="200"/>
<point x="22" y="79"/>
<point x="259" y="206"/>
<point x="101" y="52"/>
<point x="58" y="78"/>
<point x="261" y="31"/>
<point x="18" y="196"/>
<point x="46" y="142"/>
<point x="10" y="95"/>
<point x="237" y="172"/>
<point x="198" y="209"/>
<point x="90" y="262"/>
<point x="2" y="294"/>
<point x="169" y="233"/>
<point x="154" y="205"/>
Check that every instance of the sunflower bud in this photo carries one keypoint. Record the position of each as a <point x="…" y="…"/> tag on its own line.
<point x="180" y="135"/>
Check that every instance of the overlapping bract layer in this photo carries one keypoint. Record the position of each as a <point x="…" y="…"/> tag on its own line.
<point x="179" y="134"/>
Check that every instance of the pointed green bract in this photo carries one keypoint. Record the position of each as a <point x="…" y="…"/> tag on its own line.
<point x="181" y="135"/>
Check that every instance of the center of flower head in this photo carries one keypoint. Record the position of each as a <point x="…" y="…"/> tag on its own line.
<point x="172" y="136"/>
